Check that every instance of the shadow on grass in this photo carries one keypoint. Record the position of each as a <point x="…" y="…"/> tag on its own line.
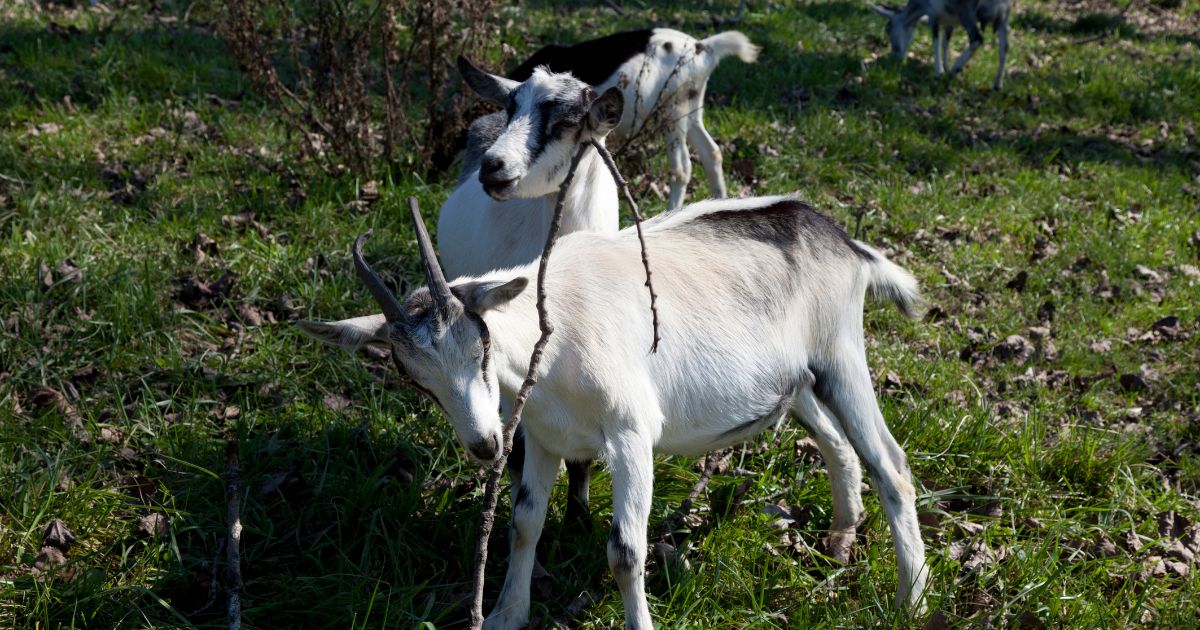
<point x="1092" y="24"/>
<point x="45" y="65"/>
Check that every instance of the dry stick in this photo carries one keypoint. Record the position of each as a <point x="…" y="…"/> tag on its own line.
<point x="637" y="221"/>
<point x="234" y="556"/>
<point x="492" y="492"/>
<point x="710" y="466"/>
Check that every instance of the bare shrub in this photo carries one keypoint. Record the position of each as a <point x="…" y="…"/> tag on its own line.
<point x="356" y="80"/>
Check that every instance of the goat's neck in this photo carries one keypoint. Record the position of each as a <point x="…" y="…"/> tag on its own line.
<point x="591" y="199"/>
<point x="514" y="331"/>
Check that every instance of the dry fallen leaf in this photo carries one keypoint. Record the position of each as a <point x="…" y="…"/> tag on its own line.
<point x="57" y="534"/>
<point x="152" y="525"/>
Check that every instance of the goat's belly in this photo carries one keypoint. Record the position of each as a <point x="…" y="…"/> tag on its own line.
<point x="697" y="438"/>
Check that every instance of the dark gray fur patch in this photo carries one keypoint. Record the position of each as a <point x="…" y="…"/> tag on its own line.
<point x="522" y="499"/>
<point x="693" y="94"/>
<point x="823" y="386"/>
<point x="623" y="557"/>
<point x="668" y="47"/>
<point x="787" y="392"/>
<point x="784" y="225"/>
<point x="481" y="135"/>
<point x="700" y="47"/>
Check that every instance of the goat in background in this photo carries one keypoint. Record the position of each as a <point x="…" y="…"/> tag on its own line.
<point x="944" y="15"/>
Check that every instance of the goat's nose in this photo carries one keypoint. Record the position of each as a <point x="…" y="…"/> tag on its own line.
<point x="486" y="449"/>
<point x="492" y="165"/>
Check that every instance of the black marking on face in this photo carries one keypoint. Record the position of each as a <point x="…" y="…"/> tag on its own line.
<point x="784" y="225"/>
<point x="693" y="94"/>
<point x="555" y="119"/>
<point x="622" y="557"/>
<point x="592" y="62"/>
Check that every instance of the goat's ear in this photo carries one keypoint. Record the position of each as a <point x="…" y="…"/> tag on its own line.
<point x="883" y="10"/>
<point x="350" y="334"/>
<point x="483" y="296"/>
<point x="488" y="86"/>
<point x="605" y="112"/>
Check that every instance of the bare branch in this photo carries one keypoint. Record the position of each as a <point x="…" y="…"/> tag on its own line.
<point x="492" y="492"/>
<point x="637" y="221"/>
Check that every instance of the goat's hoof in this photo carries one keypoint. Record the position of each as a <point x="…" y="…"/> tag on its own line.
<point x="838" y="545"/>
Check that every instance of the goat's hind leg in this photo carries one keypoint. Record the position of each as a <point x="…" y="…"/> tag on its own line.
<point x="709" y="153"/>
<point x="1002" y="42"/>
<point x="966" y="16"/>
<point x="845" y="388"/>
<point x="680" y="163"/>
<point x="845" y="474"/>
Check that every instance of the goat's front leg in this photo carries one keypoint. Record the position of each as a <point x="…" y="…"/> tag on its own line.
<point x="528" y="516"/>
<point x="1002" y="41"/>
<point x="680" y="162"/>
<point x="939" y="64"/>
<point x="632" y="467"/>
<point x="947" y="33"/>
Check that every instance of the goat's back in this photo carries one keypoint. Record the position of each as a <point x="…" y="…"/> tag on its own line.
<point x="751" y="292"/>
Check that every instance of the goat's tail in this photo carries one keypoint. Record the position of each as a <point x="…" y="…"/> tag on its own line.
<point x="729" y="43"/>
<point x="888" y="281"/>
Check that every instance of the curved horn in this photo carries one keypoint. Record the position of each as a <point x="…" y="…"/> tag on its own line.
<point x="439" y="289"/>
<point x="392" y="309"/>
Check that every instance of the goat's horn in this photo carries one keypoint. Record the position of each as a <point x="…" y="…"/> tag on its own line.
<point x="392" y="309"/>
<point x="439" y="289"/>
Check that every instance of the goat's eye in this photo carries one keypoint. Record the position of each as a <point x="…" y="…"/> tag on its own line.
<point x="564" y="126"/>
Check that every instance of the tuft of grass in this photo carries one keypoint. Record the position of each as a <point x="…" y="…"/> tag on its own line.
<point x="124" y="137"/>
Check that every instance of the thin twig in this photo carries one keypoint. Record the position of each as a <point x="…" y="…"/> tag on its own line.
<point x="637" y="221"/>
<point x="233" y="584"/>
<point x="664" y="96"/>
<point x="492" y="493"/>
<point x="685" y="507"/>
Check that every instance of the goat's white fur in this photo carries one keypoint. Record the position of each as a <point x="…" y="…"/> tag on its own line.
<point x="745" y="325"/>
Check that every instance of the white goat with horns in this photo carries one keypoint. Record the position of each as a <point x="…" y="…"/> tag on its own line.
<point x="761" y="302"/>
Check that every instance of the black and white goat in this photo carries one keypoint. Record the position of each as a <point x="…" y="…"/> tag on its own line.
<point x="761" y="304"/>
<point x="944" y="15"/>
<point x="662" y="75"/>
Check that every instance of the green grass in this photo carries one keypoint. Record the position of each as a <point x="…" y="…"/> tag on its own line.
<point x="360" y="511"/>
